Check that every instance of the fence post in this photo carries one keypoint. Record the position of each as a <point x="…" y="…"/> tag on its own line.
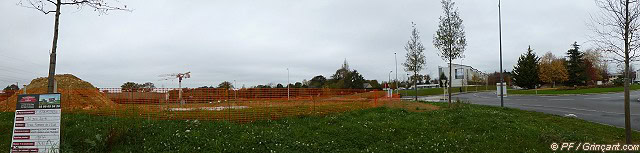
<point x="269" y="102"/>
<point x="229" y="108"/>
<point x="313" y="107"/>
<point x="375" y="100"/>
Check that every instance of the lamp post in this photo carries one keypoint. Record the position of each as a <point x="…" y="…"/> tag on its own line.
<point x="390" y="83"/>
<point x="235" y="91"/>
<point x="396" y="59"/>
<point x="501" y="78"/>
<point x="288" y="83"/>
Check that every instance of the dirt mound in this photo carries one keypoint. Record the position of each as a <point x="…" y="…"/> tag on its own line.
<point x="76" y="94"/>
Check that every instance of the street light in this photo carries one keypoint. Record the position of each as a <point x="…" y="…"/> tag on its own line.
<point x="501" y="78"/>
<point x="288" y="83"/>
<point x="396" y="58"/>
<point x="389" y="84"/>
<point x="235" y="91"/>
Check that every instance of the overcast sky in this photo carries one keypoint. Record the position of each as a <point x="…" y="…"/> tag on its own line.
<point x="254" y="42"/>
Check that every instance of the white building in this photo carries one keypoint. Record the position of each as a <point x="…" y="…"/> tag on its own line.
<point x="462" y="74"/>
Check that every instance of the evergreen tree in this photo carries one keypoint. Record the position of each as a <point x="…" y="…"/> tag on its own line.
<point x="576" y="67"/>
<point x="441" y="78"/>
<point x="525" y="74"/>
<point x="11" y="88"/>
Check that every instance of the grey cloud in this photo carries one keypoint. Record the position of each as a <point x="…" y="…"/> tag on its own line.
<point x="254" y="42"/>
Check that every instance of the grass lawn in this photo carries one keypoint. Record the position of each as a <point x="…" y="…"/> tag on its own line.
<point x="469" y="128"/>
<point x="577" y="91"/>
<point x="439" y="91"/>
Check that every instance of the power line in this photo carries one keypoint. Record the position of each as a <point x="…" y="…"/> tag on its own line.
<point x="18" y="70"/>
<point x="1" y="79"/>
<point x="11" y="77"/>
<point x="22" y="61"/>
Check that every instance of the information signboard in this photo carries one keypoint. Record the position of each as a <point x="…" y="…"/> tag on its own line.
<point x="37" y="124"/>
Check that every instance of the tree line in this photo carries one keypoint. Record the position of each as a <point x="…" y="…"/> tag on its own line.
<point x="343" y="78"/>
<point x="577" y="68"/>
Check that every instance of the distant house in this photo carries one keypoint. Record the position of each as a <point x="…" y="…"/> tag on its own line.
<point x="613" y="76"/>
<point x="633" y="76"/>
<point x="462" y="74"/>
<point x="367" y="86"/>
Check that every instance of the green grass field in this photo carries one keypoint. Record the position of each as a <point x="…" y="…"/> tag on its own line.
<point x="439" y="91"/>
<point x="469" y="128"/>
<point x="576" y="91"/>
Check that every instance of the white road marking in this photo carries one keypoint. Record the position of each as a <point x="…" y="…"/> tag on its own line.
<point x="560" y="99"/>
<point x="597" y="98"/>
<point x="578" y="109"/>
<point x="570" y="115"/>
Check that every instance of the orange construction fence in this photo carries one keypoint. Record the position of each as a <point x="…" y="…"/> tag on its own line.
<point x="236" y="105"/>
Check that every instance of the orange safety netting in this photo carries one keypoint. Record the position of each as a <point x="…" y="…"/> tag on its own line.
<point x="238" y="105"/>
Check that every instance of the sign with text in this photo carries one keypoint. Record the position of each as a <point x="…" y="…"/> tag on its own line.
<point x="37" y="124"/>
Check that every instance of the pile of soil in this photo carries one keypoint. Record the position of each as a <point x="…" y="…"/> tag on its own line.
<point x="76" y="94"/>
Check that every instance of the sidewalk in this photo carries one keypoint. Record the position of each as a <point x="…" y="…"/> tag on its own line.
<point x="435" y="98"/>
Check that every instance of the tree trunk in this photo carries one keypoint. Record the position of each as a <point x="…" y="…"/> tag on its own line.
<point x="415" y="75"/>
<point x="450" y="80"/>
<point x="627" y="111"/>
<point x="52" y="57"/>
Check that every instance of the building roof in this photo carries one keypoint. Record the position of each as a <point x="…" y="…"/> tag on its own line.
<point x="367" y="85"/>
<point x="454" y="64"/>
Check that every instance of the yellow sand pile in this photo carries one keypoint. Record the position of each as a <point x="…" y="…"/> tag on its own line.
<point x="76" y="94"/>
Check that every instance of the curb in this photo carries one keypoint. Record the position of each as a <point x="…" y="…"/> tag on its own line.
<point x="601" y="93"/>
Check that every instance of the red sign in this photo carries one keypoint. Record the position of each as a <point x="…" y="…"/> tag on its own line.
<point x="26" y="112"/>
<point x="23" y="137"/>
<point x="24" y="150"/>
<point x="28" y="99"/>
<point x="19" y="124"/>
<point x="22" y="131"/>
<point x="24" y="144"/>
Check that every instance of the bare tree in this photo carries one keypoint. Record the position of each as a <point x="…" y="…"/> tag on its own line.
<point x="616" y="33"/>
<point x="450" y="38"/>
<point x="415" y="56"/>
<point x="51" y="6"/>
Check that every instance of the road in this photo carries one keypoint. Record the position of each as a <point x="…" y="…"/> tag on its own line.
<point x="600" y="108"/>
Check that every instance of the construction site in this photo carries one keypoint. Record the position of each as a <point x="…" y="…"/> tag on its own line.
<point x="235" y="105"/>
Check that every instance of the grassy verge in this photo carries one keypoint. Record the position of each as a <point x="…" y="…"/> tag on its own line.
<point x="439" y="91"/>
<point x="576" y="91"/>
<point x="469" y="128"/>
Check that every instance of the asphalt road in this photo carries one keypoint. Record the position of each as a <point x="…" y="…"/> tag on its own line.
<point x="599" y="108"/>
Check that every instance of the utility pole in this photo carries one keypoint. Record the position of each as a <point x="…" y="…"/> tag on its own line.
<point x="501" y="77"/>
<point x="54" y="47"/>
